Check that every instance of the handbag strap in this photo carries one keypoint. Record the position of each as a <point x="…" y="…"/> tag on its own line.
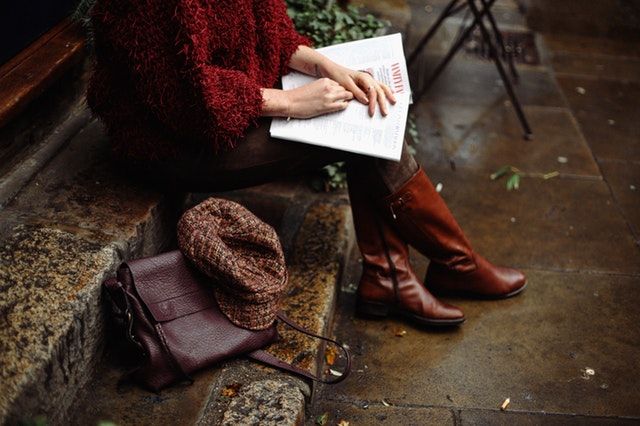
<point x="267" y="358"/>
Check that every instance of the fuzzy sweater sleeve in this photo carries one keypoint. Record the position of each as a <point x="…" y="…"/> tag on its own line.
<point x="232" y="97"/>
<point x="291" y="39"/>
<point x="164" y="53"/>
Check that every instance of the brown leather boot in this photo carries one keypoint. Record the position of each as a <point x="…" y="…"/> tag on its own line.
<point x="424" y="221"/>
<point x="388" y="283"/>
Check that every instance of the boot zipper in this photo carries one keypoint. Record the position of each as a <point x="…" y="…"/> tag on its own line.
<point x="400" y="203"/>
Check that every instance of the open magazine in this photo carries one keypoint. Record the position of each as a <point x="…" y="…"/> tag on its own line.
<point x="352" y="129"/>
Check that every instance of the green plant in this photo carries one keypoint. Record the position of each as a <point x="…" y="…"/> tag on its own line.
<point x="515" y="175"/>
<point x="82" y="15"/>
<point x="414" y="134"/>
<point x="326" y="22"/>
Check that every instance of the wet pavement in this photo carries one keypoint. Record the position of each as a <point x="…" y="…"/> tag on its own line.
<point x="566" y="351"/>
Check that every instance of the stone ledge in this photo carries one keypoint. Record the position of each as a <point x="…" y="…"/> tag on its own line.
<point x="267" y="403"/>
<point x="317" y="254"/>
<point x="50" y="331"/>
<point x="59" y="237"/>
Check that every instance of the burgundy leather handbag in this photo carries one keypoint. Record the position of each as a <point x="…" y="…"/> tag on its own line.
<point x="168" y="311"/>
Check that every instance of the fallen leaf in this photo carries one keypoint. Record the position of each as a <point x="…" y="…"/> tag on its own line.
<point x="343" y="423"/>
<point x="500" y="172"/>
<point x="550" y="175"/>
<point x="587" y="373"/>
<point x="231" y="390"/>
<point x="330" y="355"/>
<point x="505" y="404"/>
<point x="322" y="419"/>
<point x="335" y="372"/>
<point x="513" y="182"/>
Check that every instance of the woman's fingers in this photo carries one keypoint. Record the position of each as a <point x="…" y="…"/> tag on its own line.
<point x="373" y="97"/>
<point x="339" y="105"/>
<point x="389" y="93"/>
<point x="340" y="95"/>
<point x="357" y="92"/>
<point x="347" y="95"/>
<point x="382" y="100"/>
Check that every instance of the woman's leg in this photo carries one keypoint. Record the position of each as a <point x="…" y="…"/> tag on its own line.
<point x="388" y="283"/>
<point x="422" y="218"/>
<point x="256" y="160"/>
<point x="408" y="201"/>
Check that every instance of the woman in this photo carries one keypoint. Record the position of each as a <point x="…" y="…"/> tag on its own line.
<point x="183" y="87"/>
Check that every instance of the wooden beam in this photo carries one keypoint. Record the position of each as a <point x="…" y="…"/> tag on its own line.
<point x="37" y="67"/>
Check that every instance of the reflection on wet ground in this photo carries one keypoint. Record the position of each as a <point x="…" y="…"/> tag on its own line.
<point x="574" y="233"/>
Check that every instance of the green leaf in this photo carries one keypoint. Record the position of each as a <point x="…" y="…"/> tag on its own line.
<point x="500" y="172"/>
<point x="322" y="419"/>
<point x="513" y="182"/>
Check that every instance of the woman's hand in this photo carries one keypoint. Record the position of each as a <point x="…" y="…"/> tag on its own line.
<point x="320" y="97"/>
<point x="364" y="87"/>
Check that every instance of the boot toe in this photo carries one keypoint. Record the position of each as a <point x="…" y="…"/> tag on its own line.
<point x="513" y="282"/>
<point x="449" y="312"/>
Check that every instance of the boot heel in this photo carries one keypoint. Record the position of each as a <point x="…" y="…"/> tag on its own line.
<point x="372" y="309"/>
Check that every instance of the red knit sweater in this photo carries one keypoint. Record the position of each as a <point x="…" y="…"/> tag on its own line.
<point x="173" y="73"/>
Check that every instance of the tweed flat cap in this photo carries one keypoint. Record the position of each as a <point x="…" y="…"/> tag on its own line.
<point x="242" y="255"/>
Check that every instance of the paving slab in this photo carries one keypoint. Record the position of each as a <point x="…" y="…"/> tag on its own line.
<point x="534" y="349"/>
<point x="608" y="115"/>
<point x="559" y="224"/>
<point x="424" y="14"/>
<point x="489" y="138"/>
<point x="364" y="413"/>
<point x="498" y="418"/>
<point x="624" y="179"/>
<point x="592" y="46"/>
<point x="477" y="82"/>
<point x="600" y="67"/>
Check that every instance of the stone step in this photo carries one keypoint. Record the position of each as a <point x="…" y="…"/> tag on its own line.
<point x="240" y="391"/>
<point x="60" y="236"/>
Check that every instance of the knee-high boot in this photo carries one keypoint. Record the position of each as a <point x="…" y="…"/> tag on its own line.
<point x="388" y="283"/>
<point x="422" y="218"/>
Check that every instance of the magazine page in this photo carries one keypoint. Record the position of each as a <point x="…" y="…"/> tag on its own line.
<point x="352" y="129"/>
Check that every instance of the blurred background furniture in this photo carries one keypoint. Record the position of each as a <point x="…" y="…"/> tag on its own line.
<point x="493" y="39"/>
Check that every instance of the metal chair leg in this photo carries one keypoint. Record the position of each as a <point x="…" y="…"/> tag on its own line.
<point x="507" y="54"/>
<point x="505" y="78"/>
<point x="427" y="37"/>
<point x="450" y="54"/>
